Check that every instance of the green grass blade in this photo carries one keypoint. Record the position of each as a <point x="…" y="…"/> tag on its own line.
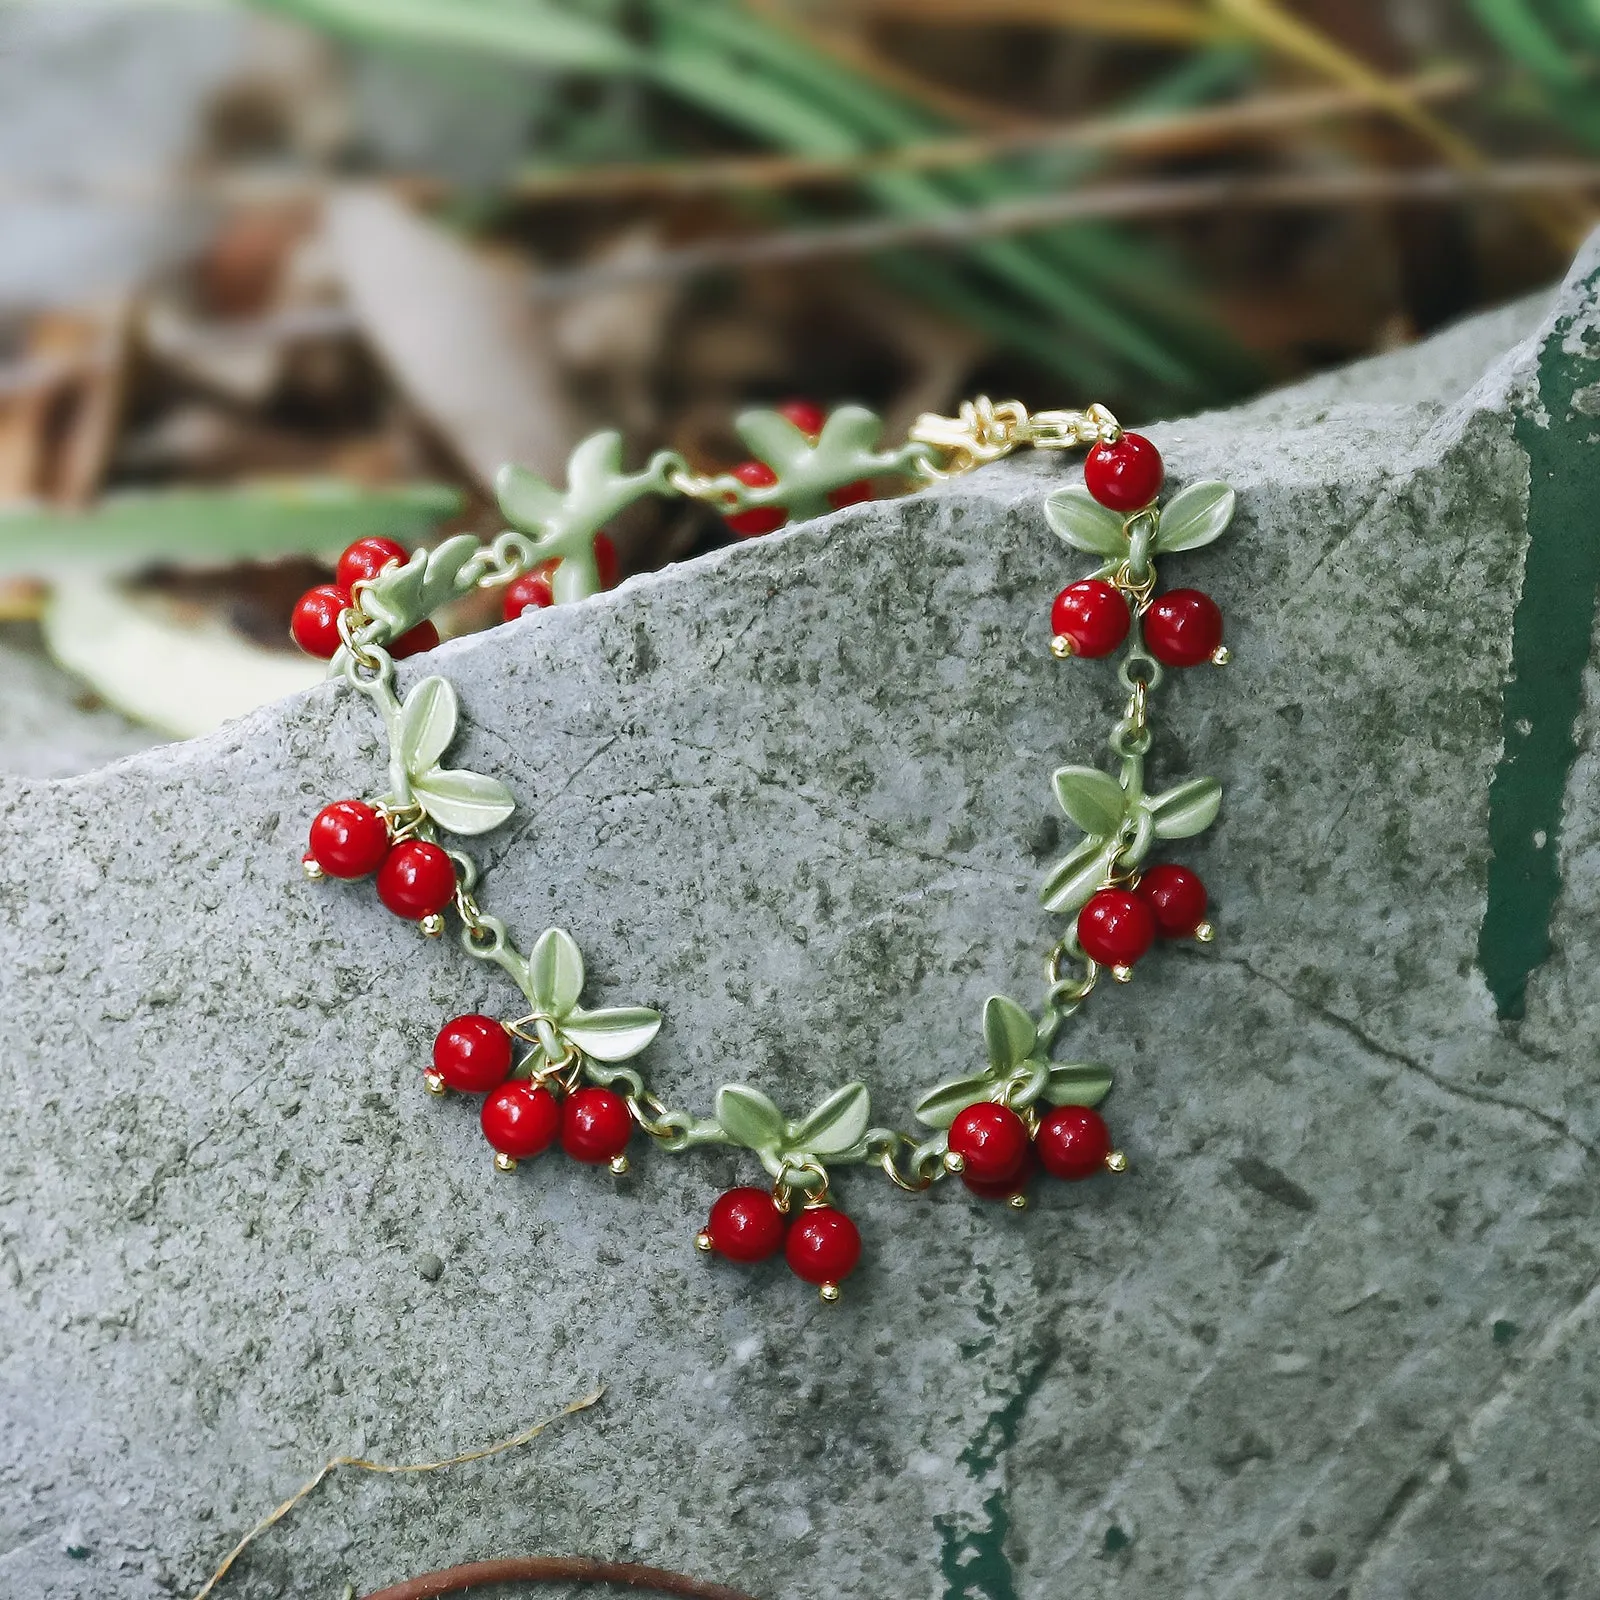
<point x="216" y="527"/>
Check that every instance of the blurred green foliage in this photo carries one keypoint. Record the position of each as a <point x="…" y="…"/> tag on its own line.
<point x="1558" y="43"/>
<point x="1104" y="311"/>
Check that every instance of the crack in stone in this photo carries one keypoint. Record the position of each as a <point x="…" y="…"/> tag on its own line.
<point x="1424" y="1489"/>
<point x="1385" y="1052"/>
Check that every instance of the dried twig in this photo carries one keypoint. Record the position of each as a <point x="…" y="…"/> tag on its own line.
<point x="1154" y="135"/>
<point x="957" y="227"/>
<point x="278" y="1514"/>
<point x="1168" y="21"/>
<point x="556" y="1569"/>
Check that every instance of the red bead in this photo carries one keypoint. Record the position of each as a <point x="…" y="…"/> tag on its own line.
<point x="758" y="520"/>
<point x="605" y="559"/>
<point x="1093" y="616"/>
<point x="1183" y="628"/>
<point x="1126" y="476"/>
<point x="472" y="1054"/>
<point x="314" y="623"/>
<point x="532" y="590"/>
<point x="416" y="880"/>
<point x="1016" y="1184"/>
<point x="852" y="494"/>
<point x="520" y="1118"/>
<point x="806" y="415"/>
<point x="366" y="558"/>
<point x="1176" y="897"/>
<point x="746" y="1225"/>
<point x="992" y="1140"/>
<point x="1073" y="1142"/>
<point x="348" y="839"/>
<point x="1115" y="928"/>
<point x="595" y="1125"/>
<point x="414" y="641"/>
<point x="823" y="1246"/>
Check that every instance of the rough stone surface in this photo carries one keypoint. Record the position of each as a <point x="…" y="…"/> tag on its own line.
<point x="1334" y="1333"/>
<point x="51" y="726"/>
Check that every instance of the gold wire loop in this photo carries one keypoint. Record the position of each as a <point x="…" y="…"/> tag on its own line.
<point x="370" y="658"/>
<point x="783" y="1187"/>
<point x="919" y="1180"/>
<point x="657" y="1120"/>
<point x="1069" y="993"/>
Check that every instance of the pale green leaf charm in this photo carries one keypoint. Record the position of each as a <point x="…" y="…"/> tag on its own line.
<point x="427" y="724"/>
<point x="1076" y="876"/>
<point x="940" y="1107"/>
<point x="1009" y="1032"/>
<point x="749" y="1118"/>
<point x="595" y="465"/>
<point x="1084" y="523"/>
<point x="555" y="972"/>
<point x="1091" y="798"/>
<point x="614" y="1034"/>
<point x="773" y="438"/>
<point x="1186" y="810"/>
<point x="462" y="802"/>
<point x="837" y="1125"/>
<point x="849" y="437"/>
<point x="526" y="500"/>
<point x="1195" y="517"/>
<point x="1077" y="1084"/>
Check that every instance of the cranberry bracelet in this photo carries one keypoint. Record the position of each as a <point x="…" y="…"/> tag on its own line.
<point x="556" y="1071"/>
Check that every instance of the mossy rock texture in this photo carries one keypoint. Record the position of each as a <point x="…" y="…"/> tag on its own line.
<point x="1334" y="1332"/>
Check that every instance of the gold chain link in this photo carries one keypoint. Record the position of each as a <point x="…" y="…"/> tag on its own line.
<point x="985" y="430"/>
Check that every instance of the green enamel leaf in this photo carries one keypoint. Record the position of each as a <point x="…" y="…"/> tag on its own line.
<point x="940" y="1107"/>
<point x="595" y="465"/>
<point x="837" y="1125"/>
<point x="1077" y="1083"/>
<point x="1195" y="516"/>
<point x="1188" y="809"/>
<point x="1009" y="1033"/>
<point x="427" y="724"/>
<point x="1091" y="798"/>
<point x="402" y="596"/>
<point x="462" y="802"/>
<point x="849" y="437"/>
<point x="749" y="1118"/>
<point x="774" y="439"/>
<point x="613" y="1034"/>
<point x="1084" y="523"/>
<point x="526" y="500"/>
<point x="1076" y="876"/>
<point x="555" y="972"/>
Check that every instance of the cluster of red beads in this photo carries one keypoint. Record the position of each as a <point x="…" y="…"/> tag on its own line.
<point x="1118" y="926"/>
<point x="999" y="1153"/>
<point x="822" y="1245"/>
<point x="1181" y="628"/>
<point x="521" y="1117"/>
<point x="350" y="839"/>
<point x="809" y="418"/>
<point x="314" y="624"/>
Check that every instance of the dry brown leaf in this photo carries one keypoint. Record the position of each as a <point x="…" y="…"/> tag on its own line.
<point x="56" y="431"/>
<point x="458" y="333"/>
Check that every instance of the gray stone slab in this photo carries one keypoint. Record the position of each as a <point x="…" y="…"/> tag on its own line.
<point x="51" y="726"/>
<point x="1333" y="1333"/>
